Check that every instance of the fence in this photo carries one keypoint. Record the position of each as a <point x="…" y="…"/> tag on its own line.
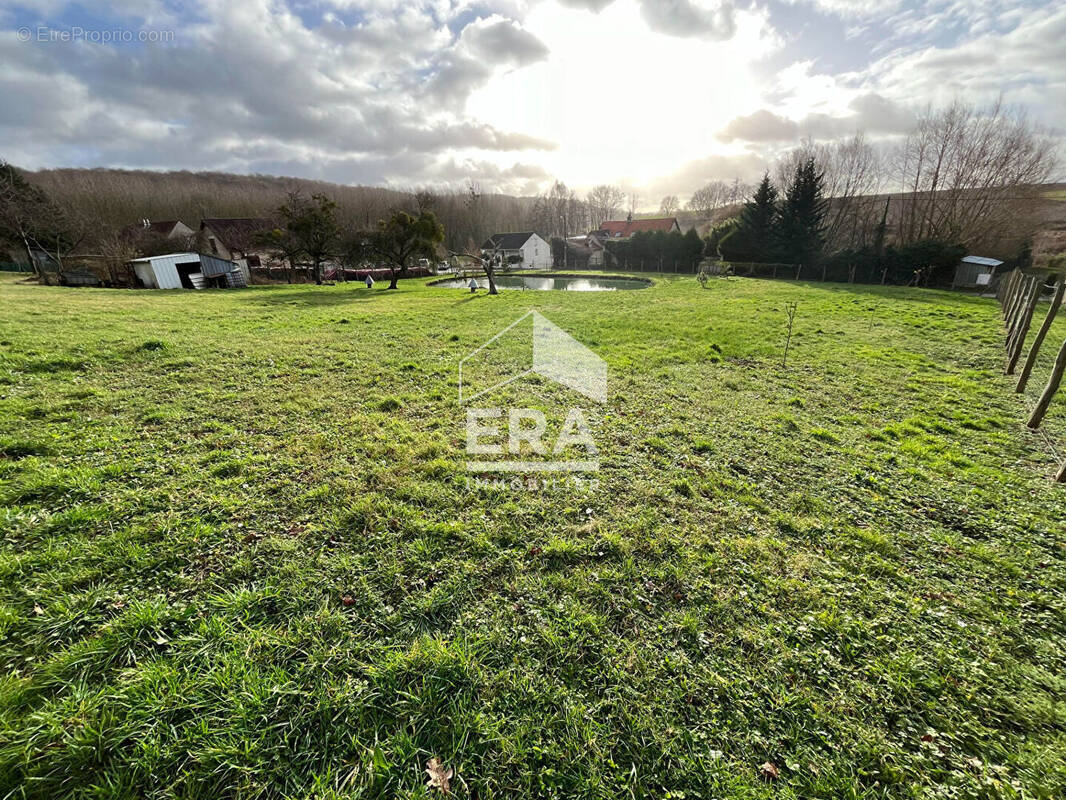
<point x="10" y="266"/>
<point x="1018" y="294"/>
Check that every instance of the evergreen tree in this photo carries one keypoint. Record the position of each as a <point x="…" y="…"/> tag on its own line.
<point x="753" y="239"/>
<point x="801" y="225"/>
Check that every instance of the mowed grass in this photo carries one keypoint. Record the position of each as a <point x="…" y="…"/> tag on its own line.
<point x="240" y="557"/>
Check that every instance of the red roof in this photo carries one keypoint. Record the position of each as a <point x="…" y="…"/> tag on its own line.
<point x="624" y="228"/>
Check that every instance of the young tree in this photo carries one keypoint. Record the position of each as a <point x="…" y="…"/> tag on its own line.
<point x="754" y="237"/>
<point x="312" y="227"/>
<point x="801" y="224"/>
<point x="402" y="237"/>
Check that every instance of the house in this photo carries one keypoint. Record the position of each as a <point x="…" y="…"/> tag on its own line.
<point x="188" y="271"/>
<point x="975" y="272"/>
<point x="234" y="239"/>
<point x="624" y="228"/>
<point x="524" y="250"/>
<point x="170" y="229"/>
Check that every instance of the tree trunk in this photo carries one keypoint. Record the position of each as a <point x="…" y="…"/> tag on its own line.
<point x="393" y="278"/>
<point x="490" y="273"/>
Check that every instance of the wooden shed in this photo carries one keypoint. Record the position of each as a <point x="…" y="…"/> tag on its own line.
<point x="975" y="272"/>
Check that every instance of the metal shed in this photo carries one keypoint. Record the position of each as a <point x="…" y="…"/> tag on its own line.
<point x="975" y="272"/>
<point x="187" y="271"/>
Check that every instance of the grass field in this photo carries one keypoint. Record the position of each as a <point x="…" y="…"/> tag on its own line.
<point x="240" y="557"/>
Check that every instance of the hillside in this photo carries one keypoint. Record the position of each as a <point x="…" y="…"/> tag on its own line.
<point x="115" y="198"/>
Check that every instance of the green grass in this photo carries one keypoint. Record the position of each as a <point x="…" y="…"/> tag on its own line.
<point x="239" y="557"/>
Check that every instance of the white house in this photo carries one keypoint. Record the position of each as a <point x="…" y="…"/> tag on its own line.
<point x="524" y="250"/>
<point x="187" y="271"/>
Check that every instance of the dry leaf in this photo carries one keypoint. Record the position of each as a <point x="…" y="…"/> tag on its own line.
<point x="439" y="777"/>
<point x="348" y="600"/>
<point x="769" y="771"/>
<point x="37" y="609"/>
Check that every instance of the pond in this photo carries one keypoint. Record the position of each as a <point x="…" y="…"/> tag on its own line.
<point x="543" y="284"/>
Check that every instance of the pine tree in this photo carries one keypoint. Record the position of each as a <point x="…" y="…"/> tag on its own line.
<point x="754" y="237"/>
<point x="801" y="227"/>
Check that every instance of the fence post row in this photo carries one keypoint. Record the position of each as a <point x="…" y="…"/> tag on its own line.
<point x="1030" y="360"/>
<point x="1018" y="295"/>
<point x="1022" y="323"/>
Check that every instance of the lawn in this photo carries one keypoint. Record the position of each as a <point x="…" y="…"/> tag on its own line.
<point x="240" y="556"/>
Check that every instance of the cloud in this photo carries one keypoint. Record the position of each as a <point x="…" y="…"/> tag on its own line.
<point x="870" y="113"/>
<point x="713" y="19"/>
<point x="484" y="47"/>
<point x="762" y="126"/>
<point x="688" y="18"/>
<point x="379" y="94"/>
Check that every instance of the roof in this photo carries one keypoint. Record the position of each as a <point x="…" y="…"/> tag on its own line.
<point x="147" y="259"/>
<point x="624" y="228"/>
<point x="984" y="262"/>
<point x="236" y="231"/>
<point x="209" y="265"/>
<point x="507" y="241"/>
<point x="164" y="228"/>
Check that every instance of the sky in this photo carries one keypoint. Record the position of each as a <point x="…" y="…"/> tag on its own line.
<point x="658" y="96"/>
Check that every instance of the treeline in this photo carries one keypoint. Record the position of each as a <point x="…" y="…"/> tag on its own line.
<point x="111" y="199"/>
<point x="972" y="180"/>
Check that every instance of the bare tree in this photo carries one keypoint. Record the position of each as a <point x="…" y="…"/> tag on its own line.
<point x="669" y="205"/>
<point x="604" y="202"/>
<point x="972" y="175"/>
<point x="708" y="197"/>
<point x="29" y="218"/>
<point x="851" y="175"/>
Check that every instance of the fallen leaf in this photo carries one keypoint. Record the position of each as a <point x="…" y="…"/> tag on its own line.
<point x="348" y="600"/>
<point x="439" y="777"/>
<point x="37" y="609"/>
<point x="769" y="771"/>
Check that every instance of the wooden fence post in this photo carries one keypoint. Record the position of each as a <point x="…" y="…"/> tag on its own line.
<point x="1015" y="299"/>
<point x="1004" y="291"/>
<point x="1008" y="298"/>
<point x="1030" y="360"/>
<point x="1049" y="390"/>
<point x="1021" y="329"/>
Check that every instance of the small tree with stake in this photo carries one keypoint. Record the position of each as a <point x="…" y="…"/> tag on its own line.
<point x="402" y="237"/>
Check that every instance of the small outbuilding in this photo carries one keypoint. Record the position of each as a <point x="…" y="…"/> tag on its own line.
<point x="975" y="272"/>
<point x="188" y="271"/>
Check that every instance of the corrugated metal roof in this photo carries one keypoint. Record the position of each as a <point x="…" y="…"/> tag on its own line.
<point x="984" y="262"/>
<point x="195" y="256"/>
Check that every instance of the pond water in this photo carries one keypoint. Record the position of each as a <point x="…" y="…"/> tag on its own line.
<point x="539" y="284"/>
